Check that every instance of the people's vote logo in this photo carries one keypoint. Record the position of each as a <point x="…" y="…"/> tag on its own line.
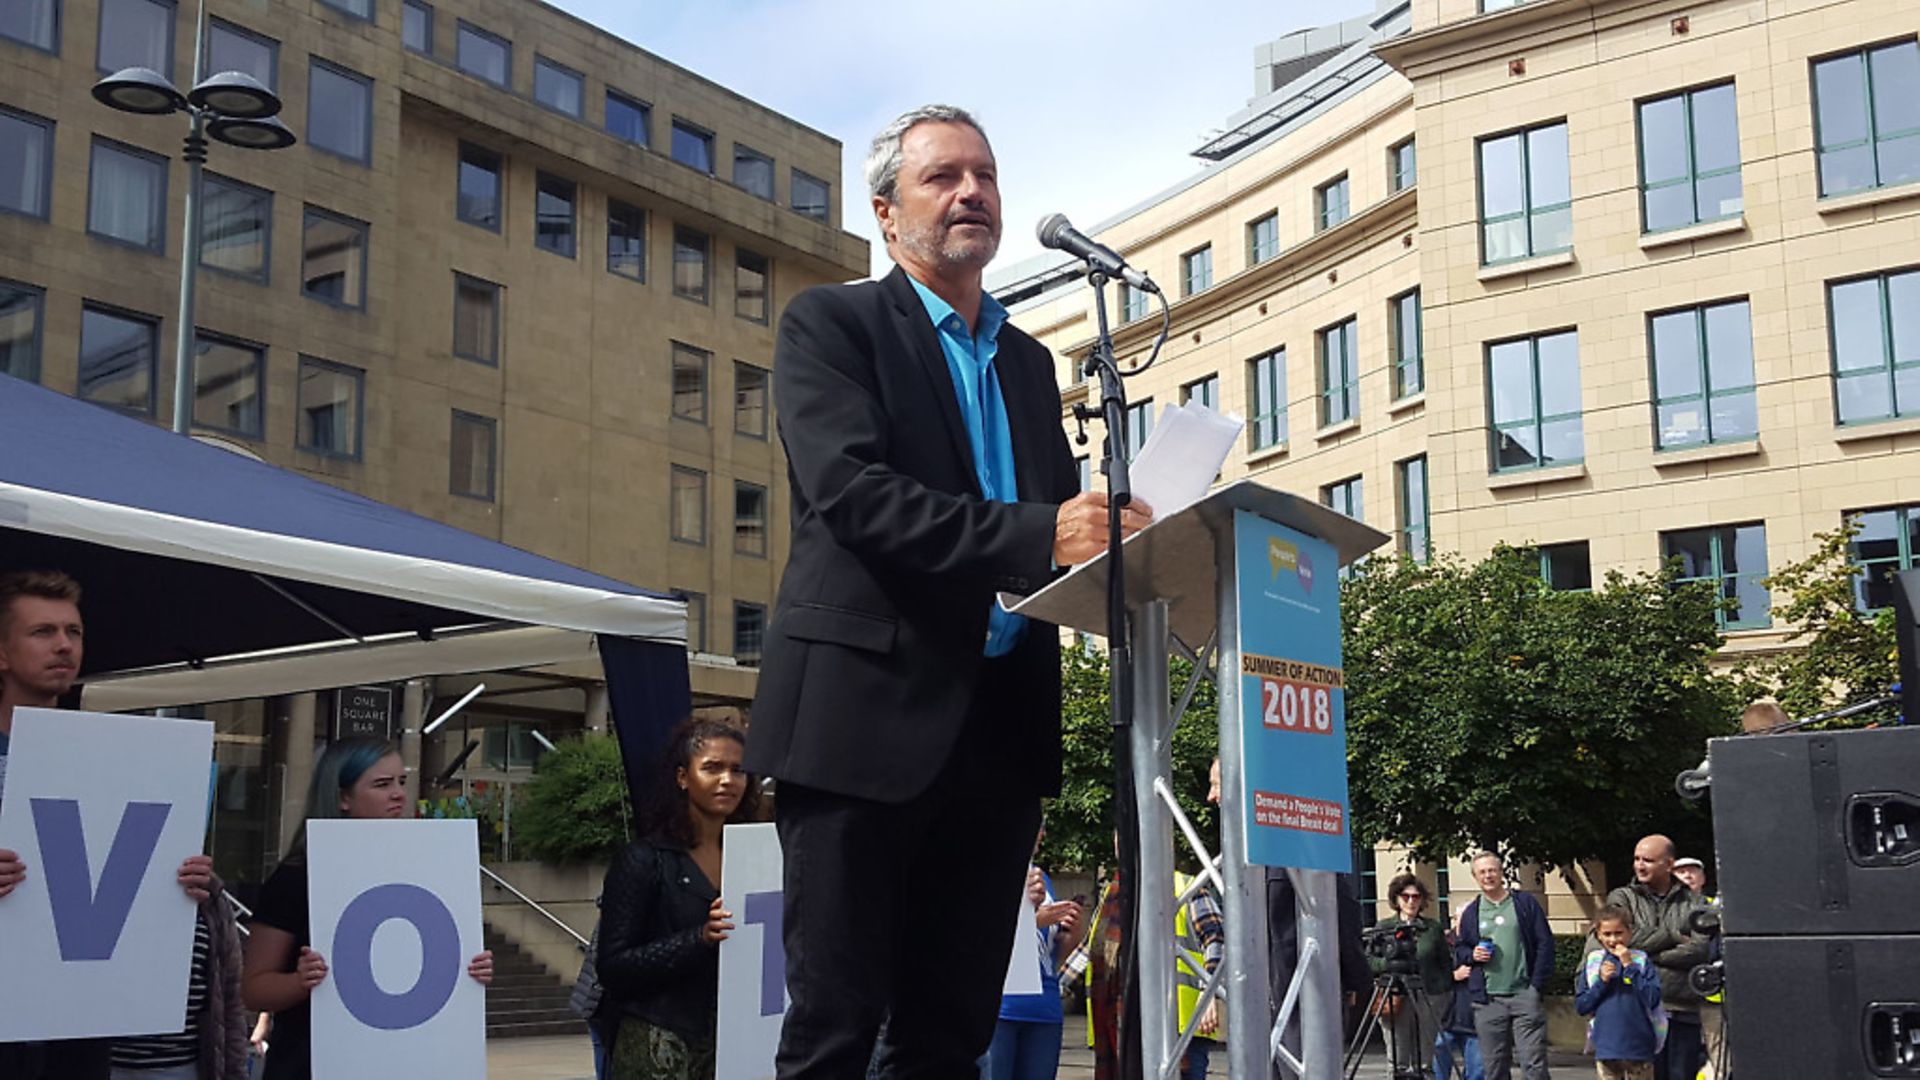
<point x="1283" y="555"/>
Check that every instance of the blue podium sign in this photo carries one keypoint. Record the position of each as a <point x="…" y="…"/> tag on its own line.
<point x="1293" y="726"/>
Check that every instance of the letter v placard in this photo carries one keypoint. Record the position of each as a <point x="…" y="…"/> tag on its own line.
<point x="97" y="941"/>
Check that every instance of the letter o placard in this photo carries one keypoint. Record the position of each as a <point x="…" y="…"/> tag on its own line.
<point x="440" y="965"/>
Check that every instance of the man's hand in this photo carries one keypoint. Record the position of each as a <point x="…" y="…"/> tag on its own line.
<point x="12" y="871"/>
<point x="1080" y="529"/>
<point x="1210" y="1020"/>
<point x="1061" y="913"/>
<point x="1462" y="972"/>
<point x="196" y="876"/>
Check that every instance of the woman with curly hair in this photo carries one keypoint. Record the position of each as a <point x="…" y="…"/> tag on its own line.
<point x="661" y="922"/>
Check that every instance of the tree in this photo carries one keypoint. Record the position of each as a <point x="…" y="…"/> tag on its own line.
<point x="1835" y="653"/>
<point x="1080" y="822"/>
<point x="575" y="809"/>
<point x="1485" y="710"/>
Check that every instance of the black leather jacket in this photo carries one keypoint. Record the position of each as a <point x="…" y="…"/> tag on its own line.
<point x="652" y="963"/>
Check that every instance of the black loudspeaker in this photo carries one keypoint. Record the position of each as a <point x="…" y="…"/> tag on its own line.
<point x="1819" y="833"/>
<point x="1823" y="1008"/>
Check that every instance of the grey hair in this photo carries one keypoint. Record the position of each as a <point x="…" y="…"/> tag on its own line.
<point x="883" y="157"/>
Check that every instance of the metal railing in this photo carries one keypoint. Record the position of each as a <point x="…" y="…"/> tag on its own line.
<point x="502" y="883"/>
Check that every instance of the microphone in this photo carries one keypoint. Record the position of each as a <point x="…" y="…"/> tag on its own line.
<point x="1057" y="232"/>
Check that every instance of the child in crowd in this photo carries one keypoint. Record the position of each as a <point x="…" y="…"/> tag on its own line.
<point x="1619" y="989"/>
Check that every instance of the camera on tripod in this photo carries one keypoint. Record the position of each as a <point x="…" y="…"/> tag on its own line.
<point x="1394" y="946"/>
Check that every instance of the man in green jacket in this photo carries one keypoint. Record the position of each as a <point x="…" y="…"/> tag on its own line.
<point x="1660" y="903"/>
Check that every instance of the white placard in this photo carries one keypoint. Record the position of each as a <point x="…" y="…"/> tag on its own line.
<point x="753" y="960"/>
<point x="98" y="940"/>
<point x="394" y="907"/>
<point x="1023" y="964"/>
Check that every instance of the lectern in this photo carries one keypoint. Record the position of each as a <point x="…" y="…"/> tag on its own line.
<point x="1250" y="577"/>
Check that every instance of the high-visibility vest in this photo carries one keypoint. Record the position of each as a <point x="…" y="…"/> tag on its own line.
<point x="1189" y="965"/>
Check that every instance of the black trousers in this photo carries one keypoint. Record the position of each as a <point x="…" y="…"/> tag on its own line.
<point x="65" y="1059"/>
<point x="902" y="912"/>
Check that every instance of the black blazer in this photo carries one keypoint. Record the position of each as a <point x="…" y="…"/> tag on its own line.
<point x="651" y="961"/>
<point x="871" y="660"/>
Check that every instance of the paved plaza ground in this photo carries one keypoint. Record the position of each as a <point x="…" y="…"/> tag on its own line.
<point x="571" y="1058"/>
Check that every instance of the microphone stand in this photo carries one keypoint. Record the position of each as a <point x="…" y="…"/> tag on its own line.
<point x="1113" y="405"/>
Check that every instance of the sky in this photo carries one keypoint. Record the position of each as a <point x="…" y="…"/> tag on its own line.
<point x="1091" y="105"/>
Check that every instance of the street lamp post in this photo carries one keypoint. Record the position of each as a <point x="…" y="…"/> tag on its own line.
<point x="232" y="107"/>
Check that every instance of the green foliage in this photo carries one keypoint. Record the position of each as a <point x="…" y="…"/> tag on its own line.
<point x="1836" y="654"/>
<point x="1569" y="952"/>
<point x="1080" y="822"/>
<point x="1486" y="710"/>
<point x="575" y="810"/>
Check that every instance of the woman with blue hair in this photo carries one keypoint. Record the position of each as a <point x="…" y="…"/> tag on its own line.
<point x="354" y="778"/>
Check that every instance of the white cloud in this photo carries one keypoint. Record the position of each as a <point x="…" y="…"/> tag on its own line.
<point x="1091" y="106"/>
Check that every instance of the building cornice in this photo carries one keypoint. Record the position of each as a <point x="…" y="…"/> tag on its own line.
<point x="1527" y="24"/>
<point x="1318" y="254"/>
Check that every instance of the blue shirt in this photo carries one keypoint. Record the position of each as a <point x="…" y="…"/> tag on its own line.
<point x="977" y="385"/>
<point x="1043" y="1007"/>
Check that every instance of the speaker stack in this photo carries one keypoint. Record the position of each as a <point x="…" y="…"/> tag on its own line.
<point x="1818" y="844"/>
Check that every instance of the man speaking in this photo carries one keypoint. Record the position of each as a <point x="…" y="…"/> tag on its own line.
<point x="912" y="724"/>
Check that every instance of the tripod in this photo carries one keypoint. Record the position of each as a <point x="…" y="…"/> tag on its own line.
<point x="1394" y="993"/>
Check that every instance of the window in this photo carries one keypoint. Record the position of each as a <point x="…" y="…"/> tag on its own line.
<point x="483" y="55"/>
<point x="20" y="322"/>
<point x="1196" y="271"/>
<point x="1416" y="540"/>
<point x="690" y="263"/>
<point x="340" y="111"/>
<point x="1535" y="386"/>
<point x="1689" y="159"/>
<point x="692" y="146"/>
<point x="1866" y="119"/>
<point x="696" y="620"/>
<point x="558" y="87"/>
<point x="1263" y="239"/>
<point x="1887" y="542"/>
<point x="478" y="199"/>
<point x="1330" y="202"/>
<point x="1703" y="376"/>
<point x="1340" y="373"/>
<point x="327" y="408"/>
<point x="1875" y="326"/>
<point x="690" y="382"/>
<point x="810" y="195"/>
<point x="1345" y="496"/>
<point x="1133" y="303"/>
<point x="136" y="33"/>
<point x="475" y="455"/>
<point x="476" y="320"/>
<point x="1267" y="377"/>
<point x="333" y="258"/>
<point x="32" y="22"/>
<point x="749" y="519"/>
<point x="1566" y="567"/>
<point x="359" y="9"/>
<point x="749" y="285"/>
<point x="229" y="379"/>
<point x="1139" y="426"/>
<point x="118" y="352"/>
<point x="1401" y="173"/>
<point x="236" y="220"/>
<point x="127" y="196"/>
<point x="26" y="163"/>
<point x="687" y="505"/>
<point x="753" y="172"/>
<point x="750" y="386"/>
<point x="628" y="119"/>
<point x="1526" y="195"/>
<point x="1409" y="374"/>
<point x="416" y="26"/>
<point x="749" y="627"/>
<point x="1499" y="5"/>
<point x="626" y="240"/>
<point x="235" y="48"/>
<point x="1203" y="392"/>
<point x="1733" y="559"/>
<point x="553" y="226"/>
